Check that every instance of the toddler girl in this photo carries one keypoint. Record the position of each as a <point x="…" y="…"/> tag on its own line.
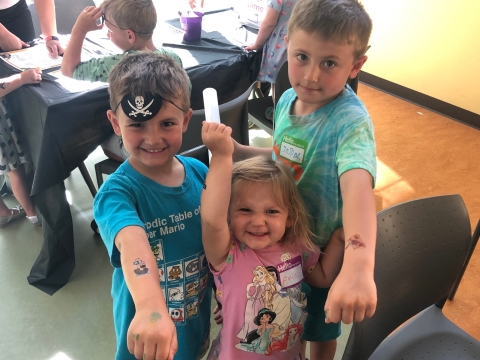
<point x="257" y="240"/>
<point x="12" y="157"/>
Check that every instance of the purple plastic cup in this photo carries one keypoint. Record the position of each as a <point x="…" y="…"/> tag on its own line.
<point x="191" y="22"/>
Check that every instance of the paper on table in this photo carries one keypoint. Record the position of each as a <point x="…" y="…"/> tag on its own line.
<point x="73" y="85"/>
<point x="32" y="58"/>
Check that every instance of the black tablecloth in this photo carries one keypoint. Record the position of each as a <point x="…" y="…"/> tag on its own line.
<point x="60" y="129"/>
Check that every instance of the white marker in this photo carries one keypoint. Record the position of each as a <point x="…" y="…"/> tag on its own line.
<point x="210" y="103"/>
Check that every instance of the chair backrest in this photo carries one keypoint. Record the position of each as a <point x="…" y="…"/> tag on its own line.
<point x="233" y="113"/>
<point x="66" y="12"/>
<point x="421" y="248"/>
<point x="282" y="83"/>
<point x="199" y="153"/>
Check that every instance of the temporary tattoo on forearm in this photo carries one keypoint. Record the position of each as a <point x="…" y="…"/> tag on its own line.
<point x="135" y="336"/>
<point x="154" y="317"/>
<point x="141" y="267"/>
<point x="356" y="242"/>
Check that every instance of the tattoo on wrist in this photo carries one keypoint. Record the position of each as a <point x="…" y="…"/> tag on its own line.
<point x="140" y="267"/>
<point x="356" y="242"/>
<point x="154" y="317"/>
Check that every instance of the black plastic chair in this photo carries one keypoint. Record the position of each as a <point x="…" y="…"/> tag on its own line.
<point x="422" y="247"/>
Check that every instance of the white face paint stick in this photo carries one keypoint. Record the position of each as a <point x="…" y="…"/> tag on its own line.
<point x="210" y="103"/>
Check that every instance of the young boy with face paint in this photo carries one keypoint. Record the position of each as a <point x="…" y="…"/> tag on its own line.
<point x="148" y="214"/>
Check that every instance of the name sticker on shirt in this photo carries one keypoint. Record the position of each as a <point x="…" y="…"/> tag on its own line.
<point x="292" y="149"/>
<point x="290" y="272"/>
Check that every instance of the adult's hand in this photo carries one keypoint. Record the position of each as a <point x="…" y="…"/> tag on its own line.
<point x="9" y="41"/>
<point x="54" y="48"/>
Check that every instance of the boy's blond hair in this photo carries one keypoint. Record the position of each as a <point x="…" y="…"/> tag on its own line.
<point x="139" y="16"/>
<point x="262" y="169"/>
<point x="340" y="21"/>
<point x="147" y="71"/>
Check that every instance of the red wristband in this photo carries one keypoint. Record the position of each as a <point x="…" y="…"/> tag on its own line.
<point x="51" y="38"/>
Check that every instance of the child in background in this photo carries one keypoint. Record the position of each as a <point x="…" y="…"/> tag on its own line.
<point x="257" y="240"/>
<point x="12" y="156"/>
<point x="324" y="134"/>
<point x="148" y="216"/>
<point x="271" y="37"/>
<point x="130" y="25"/>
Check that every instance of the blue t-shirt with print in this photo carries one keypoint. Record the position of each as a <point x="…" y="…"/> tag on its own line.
<point x="319" y="148"/>
<point x="171" y="219"/>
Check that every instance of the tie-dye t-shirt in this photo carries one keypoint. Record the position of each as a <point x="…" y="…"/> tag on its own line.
<point x="319" y="148"/>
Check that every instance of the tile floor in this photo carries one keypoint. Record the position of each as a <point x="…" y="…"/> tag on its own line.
<point x="76" y="322"/>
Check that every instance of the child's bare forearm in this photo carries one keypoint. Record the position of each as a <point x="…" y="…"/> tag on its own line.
<point x="242" y="152"/>
<point x="140" y="269"/>
<point x="73" y="53"/>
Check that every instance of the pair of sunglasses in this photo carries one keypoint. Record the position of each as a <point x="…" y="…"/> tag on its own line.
<point x="104" y="19"/>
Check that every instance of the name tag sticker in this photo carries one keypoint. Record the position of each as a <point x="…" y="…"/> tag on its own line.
<point x="290" y="272"/>
<point x="292" y="149"/>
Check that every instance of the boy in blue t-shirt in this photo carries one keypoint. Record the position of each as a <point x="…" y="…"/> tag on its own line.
<point x="148" y="213"/>
<point x="324" y="133"/>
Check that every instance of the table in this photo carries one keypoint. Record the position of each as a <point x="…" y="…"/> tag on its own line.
<point x="61" y="128"/>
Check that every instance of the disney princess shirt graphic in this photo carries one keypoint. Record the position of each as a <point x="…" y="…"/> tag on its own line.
<point x="274" y="315"/>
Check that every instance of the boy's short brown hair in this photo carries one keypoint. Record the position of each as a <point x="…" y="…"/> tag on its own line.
<point x="340" y="21"/>
<point x="147" y="71"/>
<point x="139" y="16"/>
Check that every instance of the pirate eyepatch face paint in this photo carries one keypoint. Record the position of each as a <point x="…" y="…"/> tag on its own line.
<point x="143" y="108"/>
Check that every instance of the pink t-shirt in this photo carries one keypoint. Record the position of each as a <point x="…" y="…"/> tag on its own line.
<point x="262" y="302"/>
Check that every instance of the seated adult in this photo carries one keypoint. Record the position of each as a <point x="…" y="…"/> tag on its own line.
<point x="16" y="26"/>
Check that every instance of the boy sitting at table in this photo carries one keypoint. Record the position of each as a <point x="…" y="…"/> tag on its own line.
<point x="148" y="214"/>
<point x="130" y="25"/>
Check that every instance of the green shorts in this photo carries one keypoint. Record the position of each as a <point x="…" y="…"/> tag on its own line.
<point x="315" y="328"/>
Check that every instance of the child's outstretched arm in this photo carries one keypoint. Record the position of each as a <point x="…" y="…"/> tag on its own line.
<point x="86" y="21"/>
<point x="265" y="30"/>
<point x="152" y="334"/>
<point x="242" y="152"/>
<point x="31" y="76"/>
<point x="216" y="193"/>
<point x="329" y="263"/>
<point x="353" y="295"/>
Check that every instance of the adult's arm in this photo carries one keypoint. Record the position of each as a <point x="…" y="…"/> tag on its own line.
<point x="9" y="41"/>
<point x="46" y="16"/>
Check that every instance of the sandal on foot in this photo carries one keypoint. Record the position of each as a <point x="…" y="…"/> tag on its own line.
<point x="16" y="212"/>
<point x="269" y="113"/>
<point x="34" y="220"/>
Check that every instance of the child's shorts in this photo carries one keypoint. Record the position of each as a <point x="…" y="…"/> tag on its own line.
<point x="315" y="328"/>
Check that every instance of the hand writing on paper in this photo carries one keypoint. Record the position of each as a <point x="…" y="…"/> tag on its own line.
<point x="31" y="76"/>
<point x="54" y="48"/>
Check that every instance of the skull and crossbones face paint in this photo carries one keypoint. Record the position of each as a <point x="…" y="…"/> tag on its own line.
<point x="143" y="107"/>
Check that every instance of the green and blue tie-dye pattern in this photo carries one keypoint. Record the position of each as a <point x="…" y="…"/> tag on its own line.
<point x="339" y="137"/>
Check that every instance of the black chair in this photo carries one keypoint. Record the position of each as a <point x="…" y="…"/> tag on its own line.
<point x="422" y="247"/>
<point x="257" y="106"/>
<point x="66" y="12"/>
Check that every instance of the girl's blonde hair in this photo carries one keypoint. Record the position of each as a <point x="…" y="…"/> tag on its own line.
<point x="262" y="169"/>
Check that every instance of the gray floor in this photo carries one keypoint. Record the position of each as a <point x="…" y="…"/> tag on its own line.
<point x="76" y="322"/>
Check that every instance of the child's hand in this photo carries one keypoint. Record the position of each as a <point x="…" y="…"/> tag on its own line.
<point x="87" y="20"/>
<point x="217" y="138"/>
<point x="152" y="335"/>
<point x="352" y="297"/>
<point x="252" y="47"/>
<point x="218" y="315"/>
<point x="31" y="76"/>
